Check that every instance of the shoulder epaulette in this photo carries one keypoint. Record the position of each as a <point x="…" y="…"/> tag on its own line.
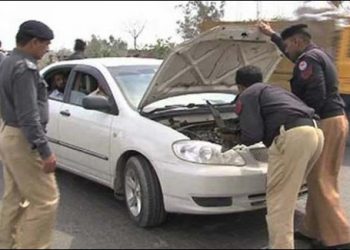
<point x="30" y="64"/>
<point x="20" y="66"/>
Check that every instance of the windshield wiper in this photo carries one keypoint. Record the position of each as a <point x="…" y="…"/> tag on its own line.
<point x="187" y="106"/>
<point x="168" y="107"/>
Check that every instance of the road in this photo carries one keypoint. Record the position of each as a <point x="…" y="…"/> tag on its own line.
<point x="90" y="218"/>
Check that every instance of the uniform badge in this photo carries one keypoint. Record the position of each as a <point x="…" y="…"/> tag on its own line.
<point x="238" y="108"/>
<point x="302" y="65"/>
<point x="305" y="70"/>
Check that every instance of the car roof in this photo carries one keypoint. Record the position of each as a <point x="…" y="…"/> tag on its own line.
<point x="112" y="61"/>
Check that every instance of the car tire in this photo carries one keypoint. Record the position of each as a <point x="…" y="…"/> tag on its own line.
<point x="143" y="195"/>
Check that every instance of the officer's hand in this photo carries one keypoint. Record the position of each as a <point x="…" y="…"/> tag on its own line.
<point x="50" y="164"/>
<point x="229" y="137"/>
<point x="226" y="134"/>
<point x="265" y="28"/>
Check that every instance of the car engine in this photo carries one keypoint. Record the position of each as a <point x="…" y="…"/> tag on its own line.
<point x="203" y="127"/>
<point x="198" y="127"/>
<point x="205" y="131"/>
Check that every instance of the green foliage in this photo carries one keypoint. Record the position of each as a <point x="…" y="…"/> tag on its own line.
<point x="62" y="54"/>
<point x="112" y="47"/>
<point x="161" y="49"/>
<point x="195" y="12"/>
<point x="53" y="56"/>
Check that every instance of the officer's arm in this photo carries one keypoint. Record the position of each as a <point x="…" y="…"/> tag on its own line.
<point x="276" y="39"/>
<point x="27" y="111"/>
<point x="250" y="120"/>
<point x="310" y="84"/>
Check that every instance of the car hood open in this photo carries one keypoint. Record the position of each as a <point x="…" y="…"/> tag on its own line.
<point x="208" y="63"/>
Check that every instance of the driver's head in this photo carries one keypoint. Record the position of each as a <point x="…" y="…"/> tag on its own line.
<point x="59" y="81"/>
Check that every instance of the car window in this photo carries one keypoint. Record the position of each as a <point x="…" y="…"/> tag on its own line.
<point x="57" y="81"/>
<point x="83" y="84"/>
<point x="133" y="80"/>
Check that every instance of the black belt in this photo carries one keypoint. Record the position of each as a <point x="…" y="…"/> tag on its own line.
<point x="298" y="122"/>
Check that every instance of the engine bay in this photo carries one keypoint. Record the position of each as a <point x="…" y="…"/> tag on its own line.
<point x="200" y="126"/>
<point x="205" y="131"/>
<point x="203" y="126"/>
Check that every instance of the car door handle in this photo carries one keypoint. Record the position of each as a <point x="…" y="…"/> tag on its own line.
<point x="65" y="113"/>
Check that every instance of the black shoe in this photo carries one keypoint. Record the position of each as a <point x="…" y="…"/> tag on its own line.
<point x="342" y="246"/>
<point x="319" y="245"/>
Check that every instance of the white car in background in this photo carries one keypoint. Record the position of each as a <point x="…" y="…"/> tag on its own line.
<point x="152" y="139"/>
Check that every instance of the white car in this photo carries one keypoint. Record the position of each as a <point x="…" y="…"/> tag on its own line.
<point x="151" y="136"/>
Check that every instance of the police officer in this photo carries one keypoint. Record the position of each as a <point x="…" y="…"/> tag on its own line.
<point x="79" y="49"/>
<point x="288" y="128"/>
<point x="31" y="195"/>
<point x="315" y="81"/>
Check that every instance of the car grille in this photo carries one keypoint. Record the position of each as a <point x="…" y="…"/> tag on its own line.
<point x="260" y="154"/>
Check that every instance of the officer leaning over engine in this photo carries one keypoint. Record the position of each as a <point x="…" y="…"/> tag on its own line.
<point x="289" y="129"/>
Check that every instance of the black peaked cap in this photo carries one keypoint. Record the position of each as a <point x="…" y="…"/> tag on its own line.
<point x="294" y="29"/>
<point x="36" y="29"/>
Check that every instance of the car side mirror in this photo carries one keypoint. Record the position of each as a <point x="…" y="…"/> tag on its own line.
<point x="99" y="103"/>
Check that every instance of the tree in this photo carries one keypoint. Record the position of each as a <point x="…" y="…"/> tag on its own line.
<point x="161" y="49"/>
<point x="62" y="54"/>
<point x="118" y="46"/>
<point x="112" y="47"/>
<point x="135" y="29"/>
<point x="195" y="12"/>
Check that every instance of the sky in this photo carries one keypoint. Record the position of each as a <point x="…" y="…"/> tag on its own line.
<point x="77" y="19"/>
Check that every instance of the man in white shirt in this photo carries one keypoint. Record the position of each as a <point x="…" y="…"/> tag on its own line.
<point x="59" y="83"/>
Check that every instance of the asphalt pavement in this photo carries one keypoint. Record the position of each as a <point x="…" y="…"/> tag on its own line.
<point x="90" y="218"/>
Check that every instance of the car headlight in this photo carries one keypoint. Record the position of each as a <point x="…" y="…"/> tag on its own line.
<point x="206" y="153"/>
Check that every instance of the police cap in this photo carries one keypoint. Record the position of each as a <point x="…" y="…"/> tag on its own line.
<point x="295" y="29"/>
<point x="36" y="29"/>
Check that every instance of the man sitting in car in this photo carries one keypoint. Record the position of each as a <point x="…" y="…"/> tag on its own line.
<point x="59" y="83"/>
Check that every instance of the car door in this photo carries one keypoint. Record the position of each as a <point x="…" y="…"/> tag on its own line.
<point x="55" y="105"/>
<point x="86" y="134"/>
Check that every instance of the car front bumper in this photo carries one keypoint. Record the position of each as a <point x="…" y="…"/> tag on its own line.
<point x="194" y="189"/>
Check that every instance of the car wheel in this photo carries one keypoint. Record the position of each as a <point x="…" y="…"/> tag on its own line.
<point x="143" y="195"/>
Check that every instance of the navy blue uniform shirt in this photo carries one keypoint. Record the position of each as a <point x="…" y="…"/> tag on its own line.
<point x="263" y="109"/>
<point x="315" y="80"/>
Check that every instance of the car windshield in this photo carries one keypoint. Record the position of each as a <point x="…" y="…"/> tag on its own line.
<point x="133" y="80"/>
